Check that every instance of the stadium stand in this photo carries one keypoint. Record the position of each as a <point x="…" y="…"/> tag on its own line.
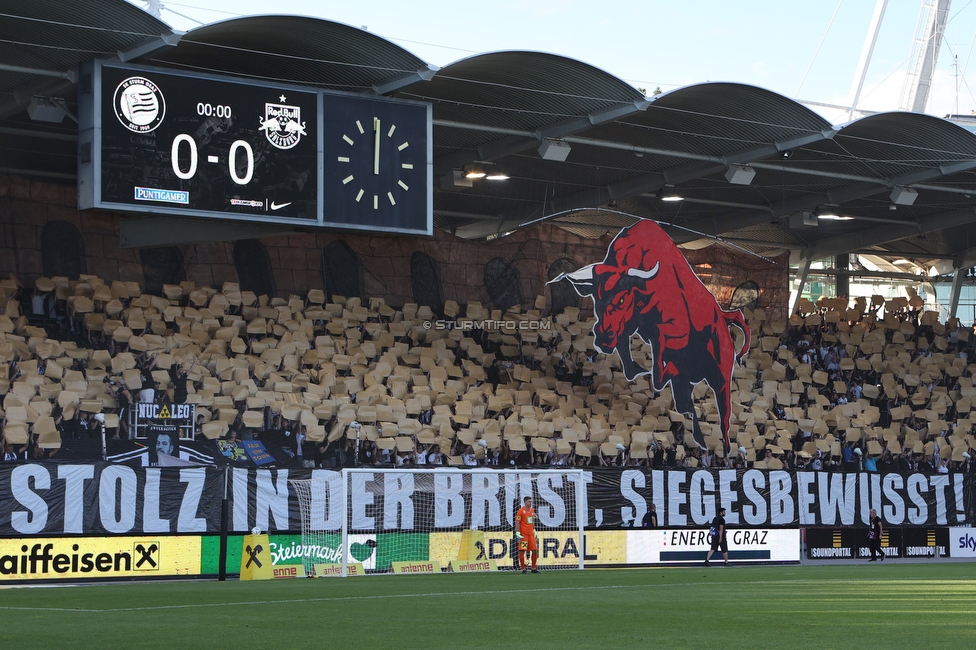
<point x="869" y="385"/>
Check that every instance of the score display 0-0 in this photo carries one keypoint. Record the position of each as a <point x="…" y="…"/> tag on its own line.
<point x="173" y="143"/>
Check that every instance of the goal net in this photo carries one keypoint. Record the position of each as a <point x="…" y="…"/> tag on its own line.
<point x="426" y="521"/>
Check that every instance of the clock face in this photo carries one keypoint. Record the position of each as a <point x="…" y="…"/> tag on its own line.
<point x="376" y="164"/>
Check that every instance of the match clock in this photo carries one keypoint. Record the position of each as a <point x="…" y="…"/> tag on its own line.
<point x="200" y="146"/>
<point x="188" y="144"/>
<point x="376" y="163"/>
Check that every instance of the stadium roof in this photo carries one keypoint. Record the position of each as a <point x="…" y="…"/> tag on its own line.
<point x="625" y="151"/>
<point x="42" y="42"/>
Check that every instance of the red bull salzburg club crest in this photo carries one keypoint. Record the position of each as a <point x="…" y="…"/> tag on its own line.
<point x="646" y="287"/>
<point x="282" y="124"/>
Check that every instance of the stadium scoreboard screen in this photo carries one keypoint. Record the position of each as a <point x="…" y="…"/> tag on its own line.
<point x="175" y="143"/>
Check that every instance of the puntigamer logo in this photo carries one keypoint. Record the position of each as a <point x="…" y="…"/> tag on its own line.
<point x="64" y="558"/>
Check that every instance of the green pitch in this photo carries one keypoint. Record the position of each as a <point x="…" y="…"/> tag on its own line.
<point x="838" y="606"/>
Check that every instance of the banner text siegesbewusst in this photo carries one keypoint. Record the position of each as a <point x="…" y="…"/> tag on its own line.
<point x="450" y="500"/>
<point x="104" y="498"/>
<point x="761" y="498"/>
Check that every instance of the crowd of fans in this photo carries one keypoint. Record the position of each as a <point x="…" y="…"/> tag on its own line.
<point x="862" y="386"/>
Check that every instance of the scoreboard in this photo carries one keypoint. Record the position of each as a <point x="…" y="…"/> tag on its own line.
<point x="175" y="143"/>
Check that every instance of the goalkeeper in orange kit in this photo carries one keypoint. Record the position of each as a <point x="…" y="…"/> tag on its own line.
<point x="525" y="534"/>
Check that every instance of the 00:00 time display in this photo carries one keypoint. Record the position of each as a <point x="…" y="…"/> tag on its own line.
<point x="209" y="110"/>
<point x="194" y="158"/>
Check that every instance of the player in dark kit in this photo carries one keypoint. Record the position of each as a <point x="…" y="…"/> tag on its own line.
<point x="525" y="534"/>
<point x="720" y="538"/>
<point x="874" y="537"/>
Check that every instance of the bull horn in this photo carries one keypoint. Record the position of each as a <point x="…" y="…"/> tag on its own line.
<point x="644" y="275"/>
<point x="584" y="274"/>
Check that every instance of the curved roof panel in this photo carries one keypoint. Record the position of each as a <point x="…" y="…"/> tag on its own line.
<point x="891" y="147"/>
<point x="720" y="118"/>
<point x="522" y="90"/>
<point x="743" y="103"/>
<point x="913" y="138"/>
<point x="55" y="36"/>
<point x="293" y="49"/>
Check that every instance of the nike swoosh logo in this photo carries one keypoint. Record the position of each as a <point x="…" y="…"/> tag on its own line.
<point x="278" y="206"/>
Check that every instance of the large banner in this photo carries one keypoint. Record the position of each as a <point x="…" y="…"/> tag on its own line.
<point x="645" y="287"/>
<point x="114" y="499"/>
<point x="757" y="498"/>
<point x="405" y="501"/>
<point x="615" y="499"/>
<point x="108" y="499"/>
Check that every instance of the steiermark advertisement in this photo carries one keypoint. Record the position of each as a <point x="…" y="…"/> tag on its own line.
<point x="374" y="551"/>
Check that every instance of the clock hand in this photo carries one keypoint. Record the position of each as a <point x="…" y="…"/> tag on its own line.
<point x="376" y="146"/>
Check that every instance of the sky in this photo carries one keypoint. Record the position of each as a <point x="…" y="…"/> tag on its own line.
<point x="782" y="45"/>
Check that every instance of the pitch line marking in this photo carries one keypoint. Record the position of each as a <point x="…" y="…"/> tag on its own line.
<point x="441" y="594"/>
<point x="320" y="600"/>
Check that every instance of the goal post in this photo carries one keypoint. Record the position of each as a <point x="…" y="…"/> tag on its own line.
<point x="444" y="519"/>
<point x="321" y="501"/>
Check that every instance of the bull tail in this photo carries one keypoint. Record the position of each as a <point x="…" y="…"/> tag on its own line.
<point x="735" y="318"/>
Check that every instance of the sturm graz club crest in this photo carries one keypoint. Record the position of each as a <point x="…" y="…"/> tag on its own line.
<point x="282" y="124"/>
<point x="139" y="105"/>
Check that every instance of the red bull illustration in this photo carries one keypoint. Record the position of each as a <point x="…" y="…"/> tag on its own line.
<point x="646" y="287"/>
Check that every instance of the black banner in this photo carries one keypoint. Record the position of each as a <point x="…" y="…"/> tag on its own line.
<point x="108" y="499"/>
<point x="407" y="501"/>
<point x="763" y="499"/>
<point x="898" y="542"/>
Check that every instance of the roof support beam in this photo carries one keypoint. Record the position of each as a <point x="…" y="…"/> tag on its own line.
<point x="798" y="283"/>
<point x="858" y="190"/>
<point x="21" y="98"/>
<point x="513" y="143"/>
<point x="928" y="256"/>
<point x="486" y="228"/>
<point x="759" y="243"/>
<point x="750" y="156"/>
<point x="150" y="46"/>
<point x="884" y="234"/>
<point x="401" y="81"/>
<point x="965" y="259"/>
<point x="848" y="273"/>
<point x="507" y="147"/>
<point x="470" y="216"/>
<point x="903" y="179"/>
<point x="957" y="277"/>
<point x="70" y="75"/>
<point x="703" y="166"/>
<point x="729" y="204"/>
